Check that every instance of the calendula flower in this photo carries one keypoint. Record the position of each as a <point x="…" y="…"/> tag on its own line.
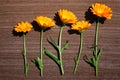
<point x="44" y="22"/>
<point x="101" y="10"/>
<point x="23" y="27"/>
<point x="67" y="16"/>
<point x="80" y="25"/>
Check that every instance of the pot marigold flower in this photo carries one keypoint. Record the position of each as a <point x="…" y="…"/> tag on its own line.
<point x="80" y="25"/>
<point x="101" y="10"/>
<point x="23" y="27"/>
<point x="44" y="22"/>
<point x="67" y="16"/>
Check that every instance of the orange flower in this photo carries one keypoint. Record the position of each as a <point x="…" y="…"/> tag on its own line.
<point x="80" y="25"/>
<point x="44" y="22"/>
<point x="23" y="27"/>
<point x="101" y="10"/>
<point x="67" y="16"/>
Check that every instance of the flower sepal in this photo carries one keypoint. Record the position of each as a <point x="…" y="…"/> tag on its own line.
<point x="65" y="23"/>
<point x="81" y="31"/>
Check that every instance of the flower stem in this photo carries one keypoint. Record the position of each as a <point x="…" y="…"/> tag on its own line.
<point x="24" y="55"/>
<point x="61" y="65"/>
<point x="60" y="51"/>
<point x="41" y="54"/>
<point x="79" y="54"/>
<point x="96" y="48"/>
<point x="60" y="37"/>
<point x="96" y="68"/>
<point x="96" y="38"/>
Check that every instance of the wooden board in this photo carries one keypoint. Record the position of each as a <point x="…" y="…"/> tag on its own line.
<point x="11" y="61"/>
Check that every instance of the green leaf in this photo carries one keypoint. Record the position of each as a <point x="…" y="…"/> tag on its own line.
<point x="99" y="53"/>
<point x="93" y="61"/>
<point x="51" y="55"/>
<point x="94" y="53"/>
<point x="53" y="43"/>
<point x="40" y="64"/>
<point x="88" y="59"/>
<point x="65" y="46"/>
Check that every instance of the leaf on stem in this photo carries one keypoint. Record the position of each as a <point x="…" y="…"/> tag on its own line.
<point x="93" y="60"/>
<point x="53" y="43"/>
<point x="65" y="46"/>
<point x="94" y="53"/>
<point x="87" y="59"/>
<point x="38" y="63"/>
<point x="99" y="53"/>
<point x="51" y="55"/>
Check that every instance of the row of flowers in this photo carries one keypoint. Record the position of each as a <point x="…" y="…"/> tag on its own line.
<point x="66" y="17"/>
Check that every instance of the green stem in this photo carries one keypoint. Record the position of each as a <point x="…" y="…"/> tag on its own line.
<point x="96" y="68"/>
<point x="60" y="51"/>
<point x="41" y="54"/>
<point x="60" y="37"/>
<point x="24" y="55"/>
<point x="96" y="39"/>
<point x="61" y="65"/>
<point x="96" y="48"/>
<point x="79" y="54"/>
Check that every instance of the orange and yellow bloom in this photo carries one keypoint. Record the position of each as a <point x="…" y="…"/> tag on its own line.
<point x="80" y="25"/>
<point x="23" y="27"/>
<point x="101" y="10"/>
<point x="44" y="22"/>
<point x="67" y="16"/>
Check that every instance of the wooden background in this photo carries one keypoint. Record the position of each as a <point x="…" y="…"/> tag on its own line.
<point x="11" y="61"/>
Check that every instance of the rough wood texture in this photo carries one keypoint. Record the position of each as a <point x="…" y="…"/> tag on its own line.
<point x="11" y="61"/>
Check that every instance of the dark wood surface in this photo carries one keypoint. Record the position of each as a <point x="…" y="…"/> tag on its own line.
<point x="11" y="61"/>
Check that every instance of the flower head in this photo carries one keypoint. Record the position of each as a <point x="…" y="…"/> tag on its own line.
<point x="44" y="22"/>
<point x="67" y="16"/>
<point x="101" y="10"/>
<point x="23" y="27"/>
<point x="80" y="25"/>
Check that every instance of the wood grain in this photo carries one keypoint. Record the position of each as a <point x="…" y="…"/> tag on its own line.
<point x="11" y="61"/>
